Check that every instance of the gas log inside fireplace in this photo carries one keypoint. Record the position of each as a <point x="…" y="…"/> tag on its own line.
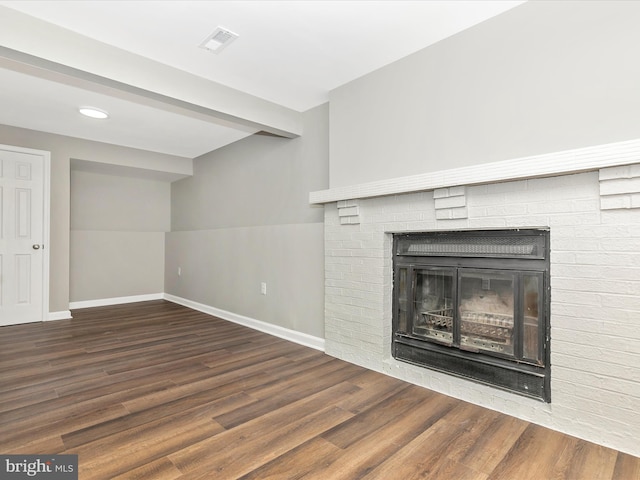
<point x="475" y="304"/>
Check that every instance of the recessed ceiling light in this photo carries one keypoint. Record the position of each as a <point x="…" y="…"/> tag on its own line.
<point x="93" y="112"/>
<point x="219" y="39"/>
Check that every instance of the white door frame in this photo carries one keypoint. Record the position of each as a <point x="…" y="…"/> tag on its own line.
<point x="46" y="219"/>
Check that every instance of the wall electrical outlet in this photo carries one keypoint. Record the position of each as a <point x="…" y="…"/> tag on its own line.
<point x="179" y="271"/>
<point x="263" y="288"/>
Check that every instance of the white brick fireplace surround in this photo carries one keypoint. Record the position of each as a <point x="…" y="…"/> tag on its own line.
<point x="590" y="201"/>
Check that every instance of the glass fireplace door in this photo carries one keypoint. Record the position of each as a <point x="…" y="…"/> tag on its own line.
<point x="486" y="309"/>
<point x="433" y="304"/>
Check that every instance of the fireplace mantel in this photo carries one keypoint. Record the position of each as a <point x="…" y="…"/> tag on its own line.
<point x="537" y="166"/>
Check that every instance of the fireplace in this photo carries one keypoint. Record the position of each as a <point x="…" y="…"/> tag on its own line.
<point x="475" y="304"/>
<point x="591" y="212"/>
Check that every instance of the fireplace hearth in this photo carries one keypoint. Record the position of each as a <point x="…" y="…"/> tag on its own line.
<point x="475" y="304"/>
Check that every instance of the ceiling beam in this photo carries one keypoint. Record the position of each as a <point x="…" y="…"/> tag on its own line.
<point x="32" y="46"/>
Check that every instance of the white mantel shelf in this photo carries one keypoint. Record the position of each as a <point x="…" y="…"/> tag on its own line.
<point x="551" y="164"/>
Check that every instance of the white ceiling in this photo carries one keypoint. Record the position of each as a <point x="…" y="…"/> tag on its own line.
<point x="291" y="53"/>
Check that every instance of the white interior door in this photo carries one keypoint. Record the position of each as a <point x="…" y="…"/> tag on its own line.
<point x="21" y="237"/>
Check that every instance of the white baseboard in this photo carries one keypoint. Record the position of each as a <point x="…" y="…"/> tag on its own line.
<point x="62" y="315"/>
<point x="275" y="330"/>
<point x="281" y="332"/>
<point x="102" y="302"/>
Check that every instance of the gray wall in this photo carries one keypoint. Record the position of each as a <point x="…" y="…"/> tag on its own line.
<point x="244" y="218"/>
<point x="63" y="149"/>
<point x="543" y="77"/>
<point x="117" y="235"/>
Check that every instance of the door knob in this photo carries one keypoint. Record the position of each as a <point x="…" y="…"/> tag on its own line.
<point x="36" y="247"/>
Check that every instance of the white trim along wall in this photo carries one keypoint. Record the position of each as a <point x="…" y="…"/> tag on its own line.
<point x="281" y="332"/>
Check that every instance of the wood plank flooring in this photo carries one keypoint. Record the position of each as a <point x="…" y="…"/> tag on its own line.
<point x="157" y="391"/>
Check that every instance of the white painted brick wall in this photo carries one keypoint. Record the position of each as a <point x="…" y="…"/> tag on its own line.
<point x="595" y="296"/>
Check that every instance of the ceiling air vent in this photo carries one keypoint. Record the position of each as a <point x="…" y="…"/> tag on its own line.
<point x="218" y="40"/>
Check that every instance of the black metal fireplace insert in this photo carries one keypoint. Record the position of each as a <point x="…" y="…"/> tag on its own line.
<point x="475" y="304"/>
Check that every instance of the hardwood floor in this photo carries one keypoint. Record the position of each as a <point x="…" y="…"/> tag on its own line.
<point x="157" y="391"/>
